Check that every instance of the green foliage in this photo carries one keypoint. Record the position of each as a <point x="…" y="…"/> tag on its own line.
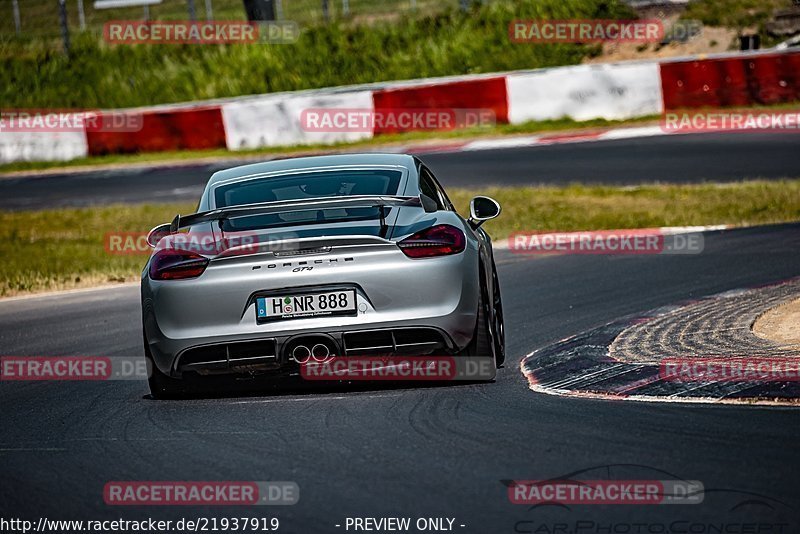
<point x="37" y="74"/>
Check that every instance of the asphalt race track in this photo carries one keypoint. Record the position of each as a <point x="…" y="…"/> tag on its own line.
<point x="673" y="159"/>
<point x="426" y="452"/>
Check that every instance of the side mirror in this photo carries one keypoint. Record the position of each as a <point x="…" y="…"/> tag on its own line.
<point x="482" y="209"/>
<point x="157" y="234"/>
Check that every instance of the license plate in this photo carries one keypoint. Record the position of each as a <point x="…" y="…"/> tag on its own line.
<point x="306" y="305"/>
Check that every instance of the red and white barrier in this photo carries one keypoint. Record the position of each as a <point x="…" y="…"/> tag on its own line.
<point x="742" y="80"/>
<point x="42" y="146"/>
<point x="195" y="128"/>
<point x="274" y="120"/>
<point x="480" y="93"/>
<point x="600" y="91"/>
<point x="583" y="92"/>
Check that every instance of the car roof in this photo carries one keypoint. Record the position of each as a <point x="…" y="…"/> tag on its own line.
<point x="290" y="164"/>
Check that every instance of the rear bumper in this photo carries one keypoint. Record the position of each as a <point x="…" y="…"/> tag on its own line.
<point x="274" y="354"/>
<point x="213" y="318"/>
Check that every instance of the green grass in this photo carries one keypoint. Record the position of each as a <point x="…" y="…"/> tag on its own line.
<point x="221" y="154"/>
<point x="37" y="75"/>
<point x="61" y="249"/>
<point x="40" y="17"/>
<point x="580" y="207"/>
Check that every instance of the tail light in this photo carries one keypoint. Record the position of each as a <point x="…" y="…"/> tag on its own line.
<point x="439" y="240"/>
<point x="177" y="265"/>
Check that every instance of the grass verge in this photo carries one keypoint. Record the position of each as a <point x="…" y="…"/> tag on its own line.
<point x="64" y="249"/>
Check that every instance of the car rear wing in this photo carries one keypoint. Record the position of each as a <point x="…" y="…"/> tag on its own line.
<point x="293" y="206"/>
<point x="221" y="215"/>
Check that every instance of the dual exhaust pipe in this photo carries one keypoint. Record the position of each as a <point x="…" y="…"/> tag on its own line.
<point x="319" y="353"/>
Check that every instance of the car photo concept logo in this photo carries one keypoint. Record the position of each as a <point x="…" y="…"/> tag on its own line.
<point x="624" y="500"/>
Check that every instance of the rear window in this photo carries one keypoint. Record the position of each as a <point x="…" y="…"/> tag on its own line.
<point x="309" y="185"/>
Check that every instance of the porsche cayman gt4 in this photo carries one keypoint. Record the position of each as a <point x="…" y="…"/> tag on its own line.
<point x="350" y="255"/>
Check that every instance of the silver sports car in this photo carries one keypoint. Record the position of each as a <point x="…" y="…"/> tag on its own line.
<point x="350" y="255"/>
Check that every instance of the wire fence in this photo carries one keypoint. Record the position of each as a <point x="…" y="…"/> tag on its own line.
<point x="27" y="19"/>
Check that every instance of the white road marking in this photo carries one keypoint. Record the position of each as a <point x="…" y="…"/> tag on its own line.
<point x="315" y="398"/>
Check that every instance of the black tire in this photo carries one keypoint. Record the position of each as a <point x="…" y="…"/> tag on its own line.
<point x="489" y="336"/>
<point x="499" y="330"/>
<point x="161" y="385"/>
<point x="481" y="344"/>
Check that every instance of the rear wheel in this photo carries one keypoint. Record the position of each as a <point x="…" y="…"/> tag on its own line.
<point x="161" y="386"/>
<point x="499" y="327"/>
<point x="489" y="336"/>
<point x="481" y="343"/>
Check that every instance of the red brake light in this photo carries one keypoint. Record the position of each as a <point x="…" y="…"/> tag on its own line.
<point x="177" y="265"/>
<point x="439" y="240"/>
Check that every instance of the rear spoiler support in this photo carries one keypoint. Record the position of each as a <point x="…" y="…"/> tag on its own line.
<point x="298" y="205"/>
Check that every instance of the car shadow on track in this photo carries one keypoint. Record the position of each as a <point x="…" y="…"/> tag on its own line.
<point x="228" y="388"/>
